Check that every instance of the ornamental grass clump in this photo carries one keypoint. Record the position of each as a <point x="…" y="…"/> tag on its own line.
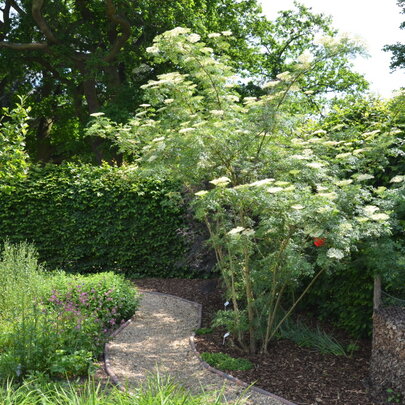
<point x="282" y="203"/>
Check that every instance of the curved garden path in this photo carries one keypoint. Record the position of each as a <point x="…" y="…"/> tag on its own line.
<point x="158" y="338"/>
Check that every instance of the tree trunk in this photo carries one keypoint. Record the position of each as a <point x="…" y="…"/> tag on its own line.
<point x="377" y="292"/>
<point x="90" y="92"/>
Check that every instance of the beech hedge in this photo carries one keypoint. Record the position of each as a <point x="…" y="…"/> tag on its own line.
<point x="88" y="219"/>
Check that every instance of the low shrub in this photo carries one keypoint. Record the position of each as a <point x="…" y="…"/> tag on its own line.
<point x="223" y="361"/>
<point x="56" y="323"/>
<point x="105" y="297"/>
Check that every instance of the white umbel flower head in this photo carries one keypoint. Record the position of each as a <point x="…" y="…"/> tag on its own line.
<point x="397" y="179"/>
<point x="221" y="181"/>
<point x="335" y="253"/>
<point x="236" y="230"/>
<point x="193" y="38"/>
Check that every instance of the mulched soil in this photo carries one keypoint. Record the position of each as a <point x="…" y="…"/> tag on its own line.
<point x="301" y="375"/>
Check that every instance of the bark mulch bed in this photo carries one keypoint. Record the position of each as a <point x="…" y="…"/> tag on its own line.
<point x="301" y="375"/>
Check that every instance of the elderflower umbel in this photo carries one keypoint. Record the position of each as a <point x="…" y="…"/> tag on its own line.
<point x="193" y="38"/>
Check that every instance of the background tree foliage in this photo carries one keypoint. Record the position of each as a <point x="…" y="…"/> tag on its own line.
<point x="398" y="49"/>
<point x="78" y="57"/>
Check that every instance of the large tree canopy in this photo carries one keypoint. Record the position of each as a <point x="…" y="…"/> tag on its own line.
<point x="398" y="49"/>
<point x="78" y="57"/>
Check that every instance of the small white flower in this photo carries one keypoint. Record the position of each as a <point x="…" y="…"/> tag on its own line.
<point x="176" y="31"/>
<point x="298" y="207"/>
<point x="261" y="182"/>
<point x="362" y="219"/>
<point x="217" y="112"/>
<point x="319" y="132"/>
<point x="248" y="100"/>
<point x="184" y="130"/>
<point x="274" y="190"/>
<point x="363" y="177"/>
<point x="193" y="38"/>
<point x="144" y="105"/>
<point x="221" y="181"/>
<point x="141" y="113"/>
<point x="315" y="165"/>
<point x="306" y="58"/>
<point x="358" y="151"/>
<point x="207" y="50"/>
<point x="154" y="50"/>
<point x="397" y="179"/>
<point x="270" y="84"/>
<point x="329" y="196"/>
<point x="226" y="33"/>
<point x="168" y="100"/>
<point x="335" y="253"/>
<point x="344" y="155"/>
<point x="248" y="232"/>
<point x="232" y="97"/>
<point x="214" y="35"/>
<point x="97" y="114"/>
<point x="284" y="75"/>
<point x="161" y="138"/>
<point x="201" y="193"/>
<point x="370" y="209"/>
<point x="379" y="216"/>
<point x="341" y="183"/>
<point x="236" y="230"/>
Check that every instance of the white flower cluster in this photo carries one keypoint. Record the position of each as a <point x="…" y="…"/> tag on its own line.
<point x="306" y="58"/>
<point x="221" y="181"/>
<point x="335" y="253"/>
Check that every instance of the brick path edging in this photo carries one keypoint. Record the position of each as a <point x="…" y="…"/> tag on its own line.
<point x="229" y="377"/>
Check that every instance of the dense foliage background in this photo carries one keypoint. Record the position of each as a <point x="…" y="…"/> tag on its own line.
<point x="87" y="219"/>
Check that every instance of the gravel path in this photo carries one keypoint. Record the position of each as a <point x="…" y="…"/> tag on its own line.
<point x="158" y="338"/>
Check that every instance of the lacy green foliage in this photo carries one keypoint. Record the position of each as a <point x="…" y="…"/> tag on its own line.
<point x="87" y="218"/>
<point x="223" y="361"/>
<point x="278" y="199"/>
<point x="13" y="157"/>
<point x="39" y="390"/>
<point x="369" y="133"/>
<point x="56" y="324"/>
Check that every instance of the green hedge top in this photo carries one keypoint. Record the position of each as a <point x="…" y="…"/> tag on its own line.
<point x="86" y="218"/>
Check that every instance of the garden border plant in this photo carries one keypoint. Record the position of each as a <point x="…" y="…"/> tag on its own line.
<point x="271" y="192"/>
<point x="56" y="323"/>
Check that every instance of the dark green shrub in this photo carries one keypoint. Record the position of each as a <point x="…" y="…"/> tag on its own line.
<point x="85" y="218"/>
<point x="345" y="297"/>
<point x="224" y="362"/>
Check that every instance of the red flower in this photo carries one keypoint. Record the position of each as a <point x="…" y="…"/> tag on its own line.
<point x="319" y="242"/>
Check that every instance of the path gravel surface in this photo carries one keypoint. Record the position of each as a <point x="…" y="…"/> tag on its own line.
<point x="158" y="338"/>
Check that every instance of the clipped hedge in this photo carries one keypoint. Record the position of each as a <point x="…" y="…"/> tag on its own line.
<point x="85" y="218"/>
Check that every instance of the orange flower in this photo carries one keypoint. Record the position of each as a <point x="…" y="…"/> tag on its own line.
<point x="319" y="242"/>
